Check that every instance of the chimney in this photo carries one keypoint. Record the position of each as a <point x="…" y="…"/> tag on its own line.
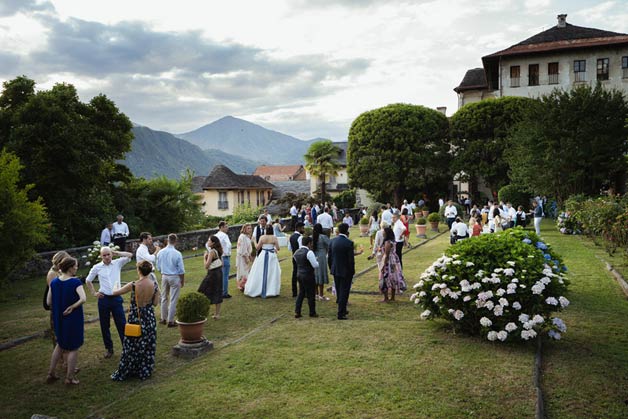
<point x="442" y="109"/>
<point x="562" y="21"/>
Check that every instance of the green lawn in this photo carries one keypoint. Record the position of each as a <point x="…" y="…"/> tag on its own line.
<point x="383" y="363"/>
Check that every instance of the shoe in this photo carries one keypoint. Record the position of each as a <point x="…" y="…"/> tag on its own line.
<point x="297" y="316"/>
<point x="172" y="325"/>
<point x="226" y="296"/>
<point x="314" y="315"/>
<point x="108" y="354"/>
<point x="51" y="378"/>
<point x="342" y="318"/>
<point x="71" y="382"/>
<point x="323" y="298"/>
<point x="162" y="322"/>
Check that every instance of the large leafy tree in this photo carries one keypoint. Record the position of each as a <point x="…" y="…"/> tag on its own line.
<point x="321" y="160"/>
<point x="398" y="148"/>
<point x="572" y="142"/>
<point x="69" y="151"/>
<point x="23" y="222"/>
<point x="480" y="134"/>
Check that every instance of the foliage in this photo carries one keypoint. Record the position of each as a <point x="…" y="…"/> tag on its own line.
<point x="159" y="205"/>
<point x="69" y="151"/>
<point x="480" y="135"/>
<point x="321" y="160"/>
<point x="398" y="148"/>
<point x="421" y="221"/>
<point x="571" y="142"/>
<point x="93" y="253"/>
<point x="345" y="199"/>
<point x="192" y="307"/>
<point x="364" y="220"/>
<point x="245" y="214"/>
<point x="23" y="222"/>
<point x="501" y="286"/>
<point x="433" y="217"/>
<point x="515" y="195"/>
<point x="290" y="198"/>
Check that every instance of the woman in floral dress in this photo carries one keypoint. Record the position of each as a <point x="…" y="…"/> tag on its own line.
<point x="390" y="276"/>
<point x="138" y="353"/>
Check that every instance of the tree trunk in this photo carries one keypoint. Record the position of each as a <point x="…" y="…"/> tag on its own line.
<point x="323" y="191"/>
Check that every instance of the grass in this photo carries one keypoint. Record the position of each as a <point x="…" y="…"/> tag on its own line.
<point x="383" y="363"/>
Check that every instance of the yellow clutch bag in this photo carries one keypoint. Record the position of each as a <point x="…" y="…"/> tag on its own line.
<point x="130" y="329"/>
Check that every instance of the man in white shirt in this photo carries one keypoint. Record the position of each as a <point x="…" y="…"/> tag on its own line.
<point x="459" y="230"/>
<point x="398" y="229"/>
<point x="451" y="212"/>
<point x="108" y="273"/>
<point x="120" y="232"/>
<point x="294" y="215"/>
<point x="106" y="235"/>
<point x="143" y="253"/>
<point x="306" y="263"/>
<point x="269" y="219"/>
<point x="225" y="242"/>
<point x="512" y="215"/>
<point x="387" y="214"/>
<point x="326" y="221"/>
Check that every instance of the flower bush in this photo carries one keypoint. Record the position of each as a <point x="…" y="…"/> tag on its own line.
<point x="502" y="286"/>
<point x="93" y="253"/>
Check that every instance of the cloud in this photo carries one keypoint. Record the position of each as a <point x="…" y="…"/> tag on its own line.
<point x="12" y="7"/>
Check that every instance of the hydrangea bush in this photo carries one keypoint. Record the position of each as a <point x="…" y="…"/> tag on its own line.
<point x="502" y="286"/>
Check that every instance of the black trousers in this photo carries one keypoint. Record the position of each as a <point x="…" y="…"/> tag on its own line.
<point x="343" y="288"/>
<point x="295" y="290"/>
<point x="294" y="223"/>
<point x="121" y="243"/>
<point x="307" y="289"/>
<point x="399" y="251"/>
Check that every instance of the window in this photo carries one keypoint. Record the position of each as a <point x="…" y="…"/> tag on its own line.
<point x="552" y="72"/>
<point x="602" y="68"/>
<point x="580" y="70"/>
<point x="222" y="200"/>
<point x="514" y="76"/>
<point x="624" y="67"/>
<point x="533" y="75"/>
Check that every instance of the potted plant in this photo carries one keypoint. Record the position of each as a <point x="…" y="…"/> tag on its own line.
<point x="421" y="227"/>
<point x="434" y="219"/>
<point x="426" y="211"/>
<point x="192" y="310"/>
<point x="364" y="226"/>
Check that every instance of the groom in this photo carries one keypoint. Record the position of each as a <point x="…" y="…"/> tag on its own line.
<point x="342" y="266"/>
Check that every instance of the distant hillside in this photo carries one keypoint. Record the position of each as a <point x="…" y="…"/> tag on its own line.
<point x="248" y="140"/>
<point x="154" y="153"/>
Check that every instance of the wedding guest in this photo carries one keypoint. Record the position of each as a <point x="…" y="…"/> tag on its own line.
<point x="278" y="229"/>
<point x="170" y="264"/>
<point x="138" y="353"/>
<point x="212" y="284"/>
<point x="307" y="263"/>
<point x="451" y="212"/>
<point x="399" y="229"/>
<point x="244" y="256"/>
<point x="405" y="220"/>
<point x="391" y="274"/>
<point x="538" y="216"/>
<point x="520" y="217"/>
<point x="106" y="235"/>
<point x="326" y="221"/>
<point x="259" y="229"/>
<point x="378" y="245"/>
<point x="320" y="246"/>
<point x="373" y="226"/>
<point x="143" y="253"/>
<point x="476" y="228"/>
<point x="460" y="231"/>
<point x="293" y="216"/>
<point x="53" y="273"/>
<point x="120" y="233"/>
<point x="225" y="242"/>
<point x="348" y="220"/>
<point x="66" y="298"/>
<point x="295" y="243"/>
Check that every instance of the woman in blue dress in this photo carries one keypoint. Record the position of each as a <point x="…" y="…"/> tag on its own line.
<point x="138" y="353"/>
<point x="66" y="298"/>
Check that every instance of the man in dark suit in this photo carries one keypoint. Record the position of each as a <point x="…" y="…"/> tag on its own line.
<point x="295" y="243"/>
<point x="260" y="229"/>
<point x="342" y="266"/>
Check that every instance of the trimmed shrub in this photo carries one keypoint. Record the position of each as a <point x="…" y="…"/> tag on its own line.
<point x="515" y="195"/>
<point x="192" y="307"/>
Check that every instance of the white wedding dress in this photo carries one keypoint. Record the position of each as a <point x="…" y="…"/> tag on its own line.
<point x="265" y="275"/>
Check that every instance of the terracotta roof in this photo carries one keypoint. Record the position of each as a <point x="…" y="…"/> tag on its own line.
<point x="221" y="177"/>
<point x="279" y="172"/>
<point x="473" y="79"/>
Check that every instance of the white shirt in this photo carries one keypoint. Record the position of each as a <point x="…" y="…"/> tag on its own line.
<point x="293" y="211"/>
<point x="325" y="220"/>
<point x="460" y="230"/>
<point x="106" y="236"/>
<point x="143" y="254"/>
<point x="379" y="241"/>
<point x="398" y="229"/>
<point x="299" y="240"/>
<point x="120" y="228"/>
<point x="451" y="211"/>
<point x="225" y="243"/>
<point x="310" y="257"/>
<point x="108" y="275"/>
<point x="512" y="213"/>
<point x="387" y="216"/>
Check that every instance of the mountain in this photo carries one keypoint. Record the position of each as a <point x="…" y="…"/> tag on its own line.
<point x="154" y="153"/>
<point x="245" y="139"/>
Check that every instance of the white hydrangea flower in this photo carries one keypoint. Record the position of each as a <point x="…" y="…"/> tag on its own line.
<point x="528" y="334"/>
<point x="509" y="272"/>
<point x="489" y="305"/>
<point x="486" y="280"/>
<point x="554" y="334"/>
<point x="486" y="322"/>
<point x="545" y="280"/>
<point x="450" y="311"/>
<point x="498" y="270"/>
<point x="422" y="294"/>
<point x="436" y="299"/>
<point x="469" y="264"/>
<point x="551" y="301"/>
<point x="523" y="317"/>
<point x="511" y="263"/>
<point x="498" y="311"/>
<point x="88" y="263"/>
<point x="514" y="280"/>
<point x="538" y="319"/>
<point x="502" y="335"/>
<point x="563" y="301"/>
<point x="476" y="285"/>
<point x="426" y="314"/>
<point x="522" y="286"/>
<point x="458" y="314"/>
<point x="443" y="285"/>
<point x="417" y="301"/>
<point x="560" y="325"/>
<point x="457" y="262"/>
<point x="510" y="327"/>
<point x="528" y="325"/>
<point x="492" y="335"/>
<point x="435" y="287"/>
<point x="503" y="302"/>
<point x="454" y="295"/>
<point x="516" y="305"/>
<point x="467" y="298"/>
<point x="96" y="243"/>
<point x="444" y="292"/>
<point x="500" y="292"/>
<point x="537" y="288"/>
<point x="455" y="256"/>
<point x="413" y="296"/>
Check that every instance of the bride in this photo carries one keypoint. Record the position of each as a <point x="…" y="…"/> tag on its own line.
<point x="265" y="275"/>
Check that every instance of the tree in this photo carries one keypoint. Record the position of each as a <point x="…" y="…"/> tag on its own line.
<point x="480" y="134"/>
<point x="23" y="222"/>
<point x="321" y="160"/>
<point x="397" y="148"/>
<point x="571" y="142"/>
<point x="69" y="150"/>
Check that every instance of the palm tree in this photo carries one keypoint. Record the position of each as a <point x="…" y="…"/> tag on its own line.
<point x="321" y="160"/>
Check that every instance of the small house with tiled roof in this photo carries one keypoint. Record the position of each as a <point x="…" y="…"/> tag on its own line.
<point x="281" y="173"/>
<point x="223" y="190"/>
<point x="562" y="57"/>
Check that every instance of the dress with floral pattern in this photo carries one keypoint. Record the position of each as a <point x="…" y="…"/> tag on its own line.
<point x="391" y="275"/>
<point x="138" y="353"/>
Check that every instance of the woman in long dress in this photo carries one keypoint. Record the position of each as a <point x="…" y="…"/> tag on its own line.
<point x="265" y="275"/>
<point x="244" y="256"/>
<point x="66" y="298"/>
<point x="390" y="276"/>
<point x="320" y="246"/>
<point x="211" y="286"/>
<point x="138" y="353"/>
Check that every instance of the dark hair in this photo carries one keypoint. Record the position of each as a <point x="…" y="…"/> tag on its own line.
<point x="404" y="211"/>
<point x="269" y="230"/>
<point x="222" y="224"/>
<point x="316" y="232"/>
<point x="145" y="267"/>
<point x="299" y="225"/>
<point x="172" y="238"/>
<point x="389" y="234"/>
<point x="144" y="235"/>
<point x="306" y="240"/>
<point x="67" y="263"/>
<point x="375" y="214"/>
<point x="343" y="228"/>
<point x="217" y="245"/>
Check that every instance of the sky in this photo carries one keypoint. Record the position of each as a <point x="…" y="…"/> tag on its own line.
<point x="306" y="68"/>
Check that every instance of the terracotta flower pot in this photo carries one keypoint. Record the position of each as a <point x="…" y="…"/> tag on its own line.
<point x="420" y="230"/>
<point x="191" y="332"/>
<point x="425" y="213"/>
<point x="364" y="229"/>
<point x="434" y="225"/>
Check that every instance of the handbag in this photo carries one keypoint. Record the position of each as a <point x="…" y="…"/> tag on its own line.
<point x="131" y="329"/>
<point x="216" y="263"/>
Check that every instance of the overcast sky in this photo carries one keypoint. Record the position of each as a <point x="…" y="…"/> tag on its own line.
<point x="306" y="68"/>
